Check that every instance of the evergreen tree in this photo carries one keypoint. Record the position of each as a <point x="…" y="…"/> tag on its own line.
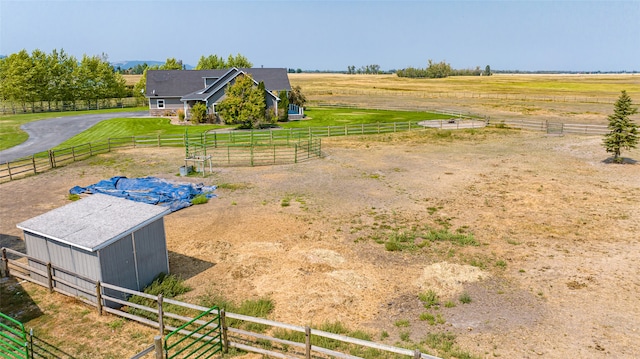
<point x="624" y="132"/>
<point x="283" y="106"/>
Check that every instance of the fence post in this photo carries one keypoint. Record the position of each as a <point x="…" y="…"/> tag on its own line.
<point x="5" y="260"/>
<point x="50" y="277"/>
<point x="73" y="153"/>
<point x="109" y="144"/>
<point x="307" y="342"/>
<point x="99" y="297"/>
<point x="157" y="343"/>
<point x="52" y="161"/>
<point x="90" y="150"/>
<point x="160" y="315"/>
<point x="33" y="161"/>
<point x="158" y="140"/>
<point x="223" y="323"/>
<point x="9" y="169"/>
<point x="133" y="141"/>
<point x="295" y="153"/>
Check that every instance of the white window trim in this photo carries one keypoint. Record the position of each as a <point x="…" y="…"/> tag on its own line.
<point x="158" y="101"/>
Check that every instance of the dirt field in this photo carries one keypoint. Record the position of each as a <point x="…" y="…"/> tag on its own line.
<point x="556" y="274"/>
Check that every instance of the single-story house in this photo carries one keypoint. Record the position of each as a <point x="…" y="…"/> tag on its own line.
<point x="171" y="90"/>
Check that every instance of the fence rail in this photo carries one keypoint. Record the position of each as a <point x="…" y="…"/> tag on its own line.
<point x="549" y="126"/>
<point x="171" y="315"/>
<point x="235" y="142"/>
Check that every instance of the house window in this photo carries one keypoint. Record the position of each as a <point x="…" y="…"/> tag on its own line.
<point x="160" y="103"/>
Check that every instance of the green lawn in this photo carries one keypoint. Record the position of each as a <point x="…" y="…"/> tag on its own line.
<point x="127" y="127"/>
<point x="322" y="117"/>
<point x="11" y="134"/>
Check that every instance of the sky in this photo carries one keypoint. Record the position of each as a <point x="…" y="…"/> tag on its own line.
<point x="332" y="35"/>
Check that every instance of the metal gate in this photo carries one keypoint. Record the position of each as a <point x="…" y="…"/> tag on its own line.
<point x="13" y="339"/>
<point x="555" y="128"/>
<point x="199" y="338"/>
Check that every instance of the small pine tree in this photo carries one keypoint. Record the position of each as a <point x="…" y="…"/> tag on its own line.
<point x="623" y="131"/>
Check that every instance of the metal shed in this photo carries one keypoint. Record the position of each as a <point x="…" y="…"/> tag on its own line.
<point x="103" y="238"/>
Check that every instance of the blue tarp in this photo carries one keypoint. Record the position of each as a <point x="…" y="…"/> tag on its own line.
<point x="150" y="190"/>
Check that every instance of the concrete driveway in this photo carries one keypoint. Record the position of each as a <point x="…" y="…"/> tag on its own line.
<point x="48" y="133"/>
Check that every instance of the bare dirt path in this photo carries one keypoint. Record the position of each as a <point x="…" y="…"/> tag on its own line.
<point x="556" y="274"/>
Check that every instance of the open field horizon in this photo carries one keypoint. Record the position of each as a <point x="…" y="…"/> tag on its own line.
<point x="568" y="98"/>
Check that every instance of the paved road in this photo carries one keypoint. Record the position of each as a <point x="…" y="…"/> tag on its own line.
<point x="48" y="133"/>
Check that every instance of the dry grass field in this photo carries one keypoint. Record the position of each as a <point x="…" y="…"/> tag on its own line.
<point x="576" y="98"/>
<point x="555" y="272"/>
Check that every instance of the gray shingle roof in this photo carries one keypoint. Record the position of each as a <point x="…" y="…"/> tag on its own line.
<point x="93" y="222"/>
<point x="178" y="83"/>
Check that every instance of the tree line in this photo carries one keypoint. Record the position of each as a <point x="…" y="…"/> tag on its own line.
<point x="58" y="77"/>
<point x="441" y="69"/>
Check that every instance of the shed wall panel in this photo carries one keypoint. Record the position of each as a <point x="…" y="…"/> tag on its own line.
<point x="37" y="247"/>
<point x="87" y="264"/>
<point x="118" y="266"/>
<point x="61" y="257"/>
<point x="151" y="252"/>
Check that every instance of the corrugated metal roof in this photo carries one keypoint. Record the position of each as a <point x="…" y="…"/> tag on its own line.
<point x="93" y="222"/>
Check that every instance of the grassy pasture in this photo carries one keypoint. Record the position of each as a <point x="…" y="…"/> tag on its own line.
<point x="563" y="98"/>
<point x="551" y="85"/>
<point x="131" y="80"/>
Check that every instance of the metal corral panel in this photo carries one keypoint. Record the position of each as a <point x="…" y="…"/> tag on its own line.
<point x="151" y="252"/>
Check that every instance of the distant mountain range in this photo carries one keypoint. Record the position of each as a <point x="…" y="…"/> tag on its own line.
<point x="130" y="64"/>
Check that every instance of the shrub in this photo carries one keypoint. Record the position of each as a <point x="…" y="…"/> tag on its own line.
<point x="465" y="298"/>
<point x="199" y="199"/>
<point x="181" y="115"/>
<point x="429" y="298"/>
<point x="198" y="113"/>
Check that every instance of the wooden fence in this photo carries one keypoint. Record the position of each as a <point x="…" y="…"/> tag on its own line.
<point x="271" y="146"/>
<point x="554" y="127"/>
<point x="167" y="314"/>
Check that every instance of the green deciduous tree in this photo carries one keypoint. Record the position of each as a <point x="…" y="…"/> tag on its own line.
<point x="238" y="61"/>
<point x="623" y="131"/>
<point x="296" y="96"/>
<point x="243" y="104"/>
<point x="211" y="62"/>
